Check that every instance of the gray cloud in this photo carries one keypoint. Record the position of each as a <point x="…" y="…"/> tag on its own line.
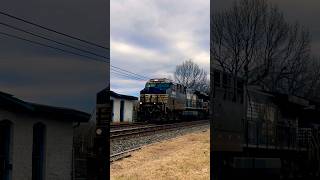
<point x="152" y="37"/>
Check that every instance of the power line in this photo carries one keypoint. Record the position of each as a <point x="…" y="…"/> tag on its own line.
<point x="52" y="30"/>
<point x="125" y="72"/>
<point x="49" y="46"/>
<point x="128" y="74"/>
<point x="123" y="76"/>
<point x="49" y="39"/>
<point x="144" y="77"/>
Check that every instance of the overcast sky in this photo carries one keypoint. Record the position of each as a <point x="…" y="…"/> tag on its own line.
<point x="148" y="37"/>
<point x="38" y="74"/>
<point x="306" y="12"/>
<point x="151" y="37"/>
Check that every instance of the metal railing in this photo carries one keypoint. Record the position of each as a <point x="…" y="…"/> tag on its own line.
<point x="266" y="134"/>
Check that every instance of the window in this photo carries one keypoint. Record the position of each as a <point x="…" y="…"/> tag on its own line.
<point x="225" y="80"/>
<point x="112" y="110"/>
<point x="240" y="89"/>
<point x="38" y="151"/>
<point x="121" y="110"/>
<point x="217" y="79"/>
<point x="5" y="150"/>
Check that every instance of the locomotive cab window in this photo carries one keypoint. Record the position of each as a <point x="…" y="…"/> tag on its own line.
<point x="162" y="86"/>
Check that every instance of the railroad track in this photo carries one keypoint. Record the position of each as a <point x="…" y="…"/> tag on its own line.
<point x="129" y="132"/>
<point x="143" y="129"/>
<point x="123" y="154"/>
<point x="127" y="125"/>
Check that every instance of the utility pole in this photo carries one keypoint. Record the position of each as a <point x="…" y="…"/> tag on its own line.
<point x="102" y="136"/>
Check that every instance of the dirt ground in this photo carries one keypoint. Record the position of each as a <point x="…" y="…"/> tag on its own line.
<point x="185" y="157"/>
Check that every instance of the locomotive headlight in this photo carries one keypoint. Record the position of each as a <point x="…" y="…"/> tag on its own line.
<point x="140" y="102"/>
<point x="154" y="103"/>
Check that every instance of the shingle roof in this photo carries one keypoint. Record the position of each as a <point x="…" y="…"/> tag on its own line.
<point x="121" y="96"/>
<point x="11" y="103"/>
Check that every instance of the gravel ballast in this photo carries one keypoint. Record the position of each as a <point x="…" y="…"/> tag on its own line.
<point x="122" y="144"/>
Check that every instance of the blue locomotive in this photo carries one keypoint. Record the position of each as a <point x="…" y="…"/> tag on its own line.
<point x="163" y="100"/>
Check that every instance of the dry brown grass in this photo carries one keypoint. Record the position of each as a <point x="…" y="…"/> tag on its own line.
<point x="185" y="157"/>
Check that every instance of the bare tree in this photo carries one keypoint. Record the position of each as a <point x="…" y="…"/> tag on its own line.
<point x="192" y="76"/>
<point x="253" y="40"/>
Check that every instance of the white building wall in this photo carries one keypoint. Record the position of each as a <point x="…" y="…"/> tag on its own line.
<point x="128" y="110"/>
<point x="58" y="155"/>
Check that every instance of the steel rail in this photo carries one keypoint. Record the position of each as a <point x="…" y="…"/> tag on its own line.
<point x="152" y="128"/>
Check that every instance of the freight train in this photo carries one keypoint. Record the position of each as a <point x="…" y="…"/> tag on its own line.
<point x="162" y="100"/>
<point x="259" y="134"/>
